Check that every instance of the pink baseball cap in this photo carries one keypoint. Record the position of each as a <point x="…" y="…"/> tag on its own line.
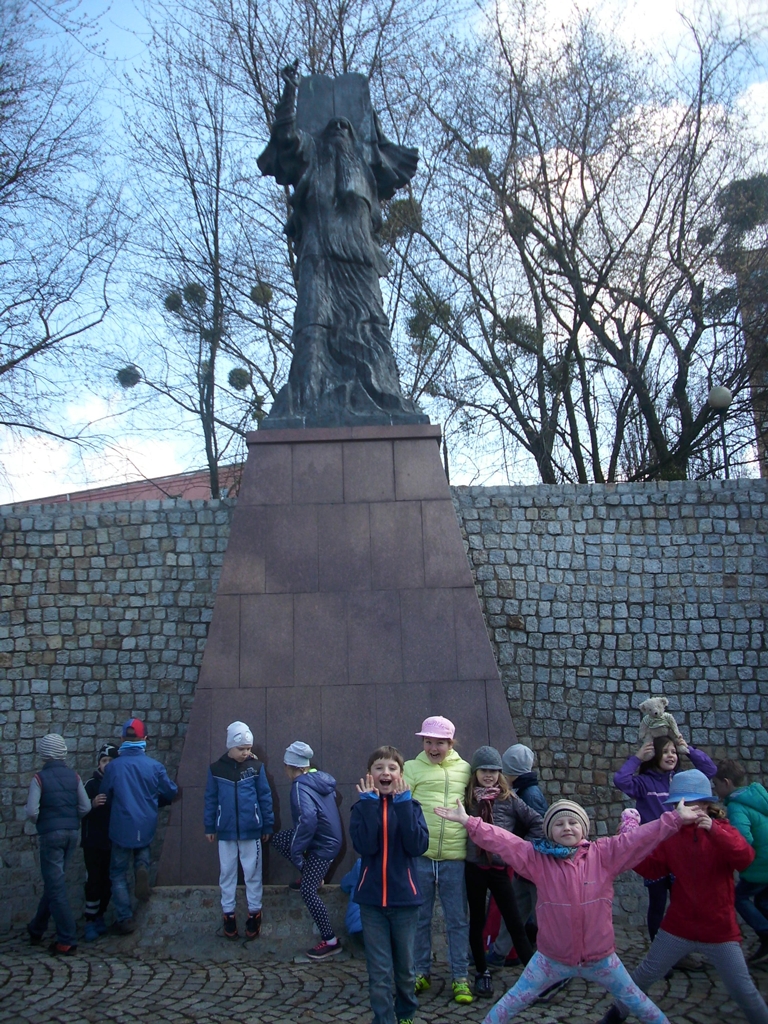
<point x="437" y="728"/>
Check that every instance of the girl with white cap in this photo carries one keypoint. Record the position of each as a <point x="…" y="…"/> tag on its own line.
<point x="574" y="878"/>
<point x="315" y="839"/>
<point x="438" y="775"/>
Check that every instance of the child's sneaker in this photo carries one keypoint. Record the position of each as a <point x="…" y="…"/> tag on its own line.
<point x="142" y="889"/>
<point x="125" y="927"/>
<point x="253" y="925"/>
<point x="323" y="950"/>
<point x="495" y="961"/>
<point x="461" y="993"/>
<point x="549" y="993"/>
<point x="422" y="983"/>
<point x="91" y="931"/>
<point x="61" y="949"/>
<point x="483" y="985"/>
<point x="99" y="924"/>
<point x="230" y="926"/>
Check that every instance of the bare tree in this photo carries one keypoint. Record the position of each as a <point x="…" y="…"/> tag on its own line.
<point x="60" y="226"/>
<point x="564" y="271"/>
<point x="214" y="327"/>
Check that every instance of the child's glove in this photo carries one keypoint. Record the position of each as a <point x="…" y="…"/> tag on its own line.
<point x="630" y="820"/>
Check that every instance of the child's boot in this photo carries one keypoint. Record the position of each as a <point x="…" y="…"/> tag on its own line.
<point x="91" y="931"/>
<point x="230" y="926"/>
<point x="253" y="924"/>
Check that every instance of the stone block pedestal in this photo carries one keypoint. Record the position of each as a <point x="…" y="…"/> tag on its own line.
<point x="346" y="613"/>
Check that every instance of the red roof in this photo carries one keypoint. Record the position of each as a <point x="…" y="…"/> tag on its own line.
<point x="180" y="485"/>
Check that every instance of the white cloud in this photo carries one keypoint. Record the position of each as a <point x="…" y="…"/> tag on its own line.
<point x="37" y="467"/>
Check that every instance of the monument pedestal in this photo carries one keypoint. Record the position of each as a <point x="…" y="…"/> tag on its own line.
<point x="346" y="613"/>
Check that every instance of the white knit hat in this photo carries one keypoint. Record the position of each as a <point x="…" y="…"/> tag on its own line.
<point x="52" y="747"/>
<point x="298" y="755"/>
<point x="239" y="735"/>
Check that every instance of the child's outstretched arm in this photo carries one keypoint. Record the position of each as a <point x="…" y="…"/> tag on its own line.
<point x="624" y="851"/>
<point x="513" y="851"/>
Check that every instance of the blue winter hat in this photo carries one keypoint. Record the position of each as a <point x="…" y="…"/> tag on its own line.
<point x="688" y="786"/>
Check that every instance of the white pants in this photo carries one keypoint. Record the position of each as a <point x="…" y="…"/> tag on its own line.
<point x="249" y="853"/>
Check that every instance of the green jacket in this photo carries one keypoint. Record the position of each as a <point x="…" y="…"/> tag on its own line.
<point x="439" y="785"/>
<point x="748" y="812"/>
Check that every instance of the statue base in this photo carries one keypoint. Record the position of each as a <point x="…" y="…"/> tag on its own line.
<point x="346" y="613"/>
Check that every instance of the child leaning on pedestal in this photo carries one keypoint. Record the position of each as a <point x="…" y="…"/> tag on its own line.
<point x="315" y="839"/>
<point x="574" y="878"/>
<point x="238" y="811"/>
<point x="438" y="774"/>
<point x="388" y="830"/>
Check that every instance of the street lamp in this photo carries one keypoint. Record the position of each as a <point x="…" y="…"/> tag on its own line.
<point x="720" y="399"/>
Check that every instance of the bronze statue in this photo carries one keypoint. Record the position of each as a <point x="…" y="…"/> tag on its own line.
<point x="333" y="153"/>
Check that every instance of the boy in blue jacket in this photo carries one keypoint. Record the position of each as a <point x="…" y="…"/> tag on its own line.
<point x="238" y="810"/>
<point x="314" y="840"/>
<point x="388" y="830"/>
<point x="133" y="784"/>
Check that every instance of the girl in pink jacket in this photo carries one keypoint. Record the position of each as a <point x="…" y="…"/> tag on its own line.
<point x="574" y="879"/>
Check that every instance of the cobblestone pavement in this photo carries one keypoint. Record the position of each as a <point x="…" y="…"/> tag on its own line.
<point x="97" y="987"/>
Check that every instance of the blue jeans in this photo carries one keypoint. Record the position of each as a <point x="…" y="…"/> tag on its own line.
<point x="389" y="934"/>
<point x="753" y="910"/>
<point x="446" y="876"/>
<point x="119" y="867"/>
<point x="56" y="849"/>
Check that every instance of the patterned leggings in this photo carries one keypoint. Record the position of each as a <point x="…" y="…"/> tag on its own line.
<point x="312" y="876"/>
<point x="541" y="973"/>
<point x="727" y="959"/>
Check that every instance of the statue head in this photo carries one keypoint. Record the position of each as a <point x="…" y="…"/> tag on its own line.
<point x="339" y="131"/>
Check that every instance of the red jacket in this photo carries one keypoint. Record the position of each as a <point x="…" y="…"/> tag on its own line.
<point x="701" y="903"/>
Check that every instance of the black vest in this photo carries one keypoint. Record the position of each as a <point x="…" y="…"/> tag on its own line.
<point x="58" y="798"/>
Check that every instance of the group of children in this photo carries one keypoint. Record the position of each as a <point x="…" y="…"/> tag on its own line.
<point x="114" y="815"/>
<point x="439" y="825"/>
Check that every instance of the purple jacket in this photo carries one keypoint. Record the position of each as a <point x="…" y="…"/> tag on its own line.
<point x="650" y="789"/>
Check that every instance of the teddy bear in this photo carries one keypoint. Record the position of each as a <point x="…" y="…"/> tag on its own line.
<point x="656" y="721"/>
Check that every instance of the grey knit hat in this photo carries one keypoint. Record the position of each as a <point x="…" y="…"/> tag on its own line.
<point x="52" y="747"/>
<point x="486" y="757"/>
<point x="298" y="755"/>
<point x="561" y="808"/>
<point x="517" y="760"/>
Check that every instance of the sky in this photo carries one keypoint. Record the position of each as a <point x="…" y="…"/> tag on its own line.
<point x="34" y="467"/>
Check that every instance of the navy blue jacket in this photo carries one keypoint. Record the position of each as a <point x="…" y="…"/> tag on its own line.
<point x="95" y="827"/>
<point x="58" y="797"/>
<point x="527" y="788"/>
<point x="388" y="833"/>
<point x="238" y="800"/>
<point x="133" y="783"/>
<point x="316" y="821"/>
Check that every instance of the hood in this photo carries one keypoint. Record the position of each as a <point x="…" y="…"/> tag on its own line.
<point x="320" y="782"/>
<point x="755" y="797"/>
<point x="450" y="758"/>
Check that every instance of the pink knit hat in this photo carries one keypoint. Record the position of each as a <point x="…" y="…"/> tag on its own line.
<point x="437" y="728"/>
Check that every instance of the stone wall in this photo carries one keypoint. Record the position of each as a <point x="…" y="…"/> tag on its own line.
<point x="104" y="612"/>
<point x="595" y="596"/>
